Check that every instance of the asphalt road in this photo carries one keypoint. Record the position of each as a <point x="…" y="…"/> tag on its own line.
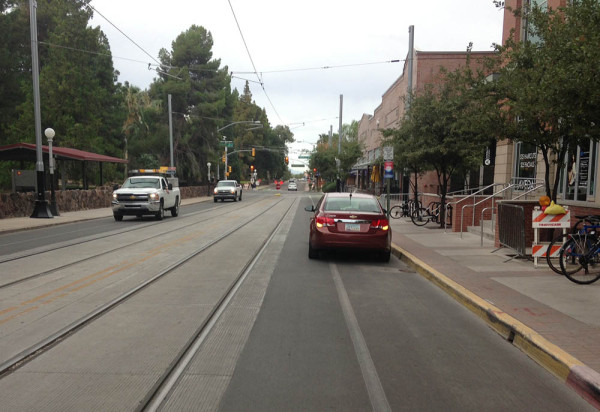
<point x="405" y="345"/>
<point x="346" y="332"/>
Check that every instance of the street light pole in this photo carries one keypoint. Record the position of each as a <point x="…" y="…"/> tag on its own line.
<point x="255" y="122"/>
<point x="40" y="209"/>
<point x="208" y="178"/>
<point x="49" y="132"/>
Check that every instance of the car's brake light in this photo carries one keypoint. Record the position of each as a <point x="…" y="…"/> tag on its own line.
<point x="382" y="224"/>
<point x="325" y="221"/>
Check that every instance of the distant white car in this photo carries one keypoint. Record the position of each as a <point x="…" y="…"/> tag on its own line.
<point x="292" y="186"/>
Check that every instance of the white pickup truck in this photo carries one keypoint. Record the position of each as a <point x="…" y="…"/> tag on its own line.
<point x="146" y="195"/>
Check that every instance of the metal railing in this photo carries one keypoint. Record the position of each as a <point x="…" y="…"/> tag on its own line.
<point x="481" y="192"/>
<point x="511" y="233"/>
<point x="532" y="186"/>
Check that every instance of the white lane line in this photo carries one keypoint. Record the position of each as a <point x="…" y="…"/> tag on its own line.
<point x="376" y="394"/>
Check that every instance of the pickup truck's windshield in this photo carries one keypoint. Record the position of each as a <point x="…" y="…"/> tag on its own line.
<point x="226" y="184"/>
<point x="142" y="183"/>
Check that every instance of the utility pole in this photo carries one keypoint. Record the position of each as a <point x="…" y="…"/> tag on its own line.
<point x="340" y="131"/>
<point x="411" y="50"/>
<point x="171" y="131"/>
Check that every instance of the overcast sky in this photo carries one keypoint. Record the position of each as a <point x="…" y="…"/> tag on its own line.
<point x="290" y="42"/>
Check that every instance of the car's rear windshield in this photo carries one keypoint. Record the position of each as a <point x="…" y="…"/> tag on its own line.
<point x="352" y="205"/>
<point x="226" y="184"/>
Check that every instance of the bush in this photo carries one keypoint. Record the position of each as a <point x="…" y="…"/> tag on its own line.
<point x="329" y="187"/>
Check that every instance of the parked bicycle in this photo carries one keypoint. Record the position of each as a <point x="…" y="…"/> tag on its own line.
<point x="583" y="224"/>
<point x="404" y="209"/>
<point x="431" y="213"/>
<point x="579" y="257"/>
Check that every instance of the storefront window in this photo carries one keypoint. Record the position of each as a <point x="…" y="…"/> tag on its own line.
<point x="525" y="165"/>
<point x="580" y="172"/>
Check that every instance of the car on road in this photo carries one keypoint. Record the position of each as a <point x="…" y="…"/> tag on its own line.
<point x="292" y="186"/>
<point x="227" y="189"/>
<point x="349" y="221"/>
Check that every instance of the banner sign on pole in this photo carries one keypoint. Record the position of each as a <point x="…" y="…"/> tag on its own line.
<point x="388" y="168"/>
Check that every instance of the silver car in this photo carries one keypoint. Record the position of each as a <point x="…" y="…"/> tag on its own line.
<point x="292" y="186"/>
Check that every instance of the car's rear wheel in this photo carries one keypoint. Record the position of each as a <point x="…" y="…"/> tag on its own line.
<point x="215" y="200"/>
<point x="312" y="253"/>
<point x="384" y="255"/>
<point x="117" y="217"/>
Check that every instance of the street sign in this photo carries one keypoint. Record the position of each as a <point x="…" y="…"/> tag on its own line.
<point x="298" y="165"/>
<point x="388" y="153"/>
<point x="227" y="143"/>
<point x="304" y="157"/>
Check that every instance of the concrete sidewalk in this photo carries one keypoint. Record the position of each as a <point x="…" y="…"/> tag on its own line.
<point x="552" y="320"/>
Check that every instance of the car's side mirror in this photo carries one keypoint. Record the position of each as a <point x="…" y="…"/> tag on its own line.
<point x="310" y="208"/>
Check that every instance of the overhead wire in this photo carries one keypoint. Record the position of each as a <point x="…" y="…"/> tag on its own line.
<point x="252" y="61"/>
<point x="159" y="64"/>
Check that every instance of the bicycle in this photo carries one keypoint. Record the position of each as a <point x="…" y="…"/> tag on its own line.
<point x="422" y="216"/>
<point x="584" y="223"/>
<point x="579" y="258"/>
<point x="404" y="209"/>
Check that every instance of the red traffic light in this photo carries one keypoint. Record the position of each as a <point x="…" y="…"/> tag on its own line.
<point x="315" y="170"/>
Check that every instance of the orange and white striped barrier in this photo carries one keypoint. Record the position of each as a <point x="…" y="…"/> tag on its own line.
<point x="540" y="250"/>
<point x="540" y="220"/>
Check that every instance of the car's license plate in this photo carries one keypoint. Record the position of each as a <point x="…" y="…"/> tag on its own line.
<point x="352" y="227"/>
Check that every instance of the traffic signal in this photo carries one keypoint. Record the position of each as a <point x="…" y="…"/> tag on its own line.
<point x="252" y="168"/>
<point x="223" y="159"/>
<point x="315" y="170"/>
<point x="287" y="160"/>
<point x="253" y="153"/>
<point x="229" y="169"/>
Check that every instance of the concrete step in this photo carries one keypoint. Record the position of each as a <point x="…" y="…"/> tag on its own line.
<point x="488" y="230"/>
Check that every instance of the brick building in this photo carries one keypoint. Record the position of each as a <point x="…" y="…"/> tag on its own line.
<point x="389" y="114"/>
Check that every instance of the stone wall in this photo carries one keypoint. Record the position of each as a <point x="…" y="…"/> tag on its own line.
<point x="21" y="204"/>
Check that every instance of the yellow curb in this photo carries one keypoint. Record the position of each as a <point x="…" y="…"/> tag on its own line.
<point x="545" y="353"/>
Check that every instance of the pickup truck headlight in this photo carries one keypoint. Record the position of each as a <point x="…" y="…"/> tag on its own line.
<point x="232" y="191"/>
<point x="114" y="196"/>
<point x="154" y="196"/>
<point x="215" y="191"/>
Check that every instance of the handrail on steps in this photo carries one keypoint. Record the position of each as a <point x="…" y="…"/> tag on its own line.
<point x="535" y="184"/>
<point x="474" y="196"/>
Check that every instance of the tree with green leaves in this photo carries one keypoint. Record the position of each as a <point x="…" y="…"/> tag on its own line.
<point x="442" y="130"/>
<point x="78" y="95"/>
<point x="549" y="83"/>
<point x="201" y="102"/>
<point x="325" y="158"/>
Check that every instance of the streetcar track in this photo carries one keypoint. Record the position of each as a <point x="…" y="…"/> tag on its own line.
<point x="66" y="244"/>
<point x="42" y="346"/>
<point x="50" y="271"/>
<point x="168" y="381"/>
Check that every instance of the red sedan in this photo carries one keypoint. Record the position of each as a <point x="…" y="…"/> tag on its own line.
<point x="349" y="221"/>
